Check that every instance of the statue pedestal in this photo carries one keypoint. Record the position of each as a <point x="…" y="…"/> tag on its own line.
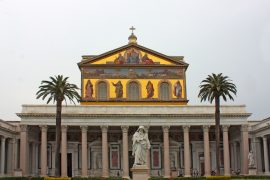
<point x="252" y="171"/>
<point x="140" y="172"/>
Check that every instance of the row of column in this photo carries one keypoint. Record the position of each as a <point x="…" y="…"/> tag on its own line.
<point x="105" y="169"/>
<point x="8" y="156"/>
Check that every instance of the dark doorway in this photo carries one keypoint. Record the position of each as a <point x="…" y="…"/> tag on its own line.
<point x="131" y="162"/>
<point x="69" y="164"/>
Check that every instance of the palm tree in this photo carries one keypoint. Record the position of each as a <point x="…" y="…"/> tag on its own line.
<point x="58" y="90"/>
<point x="213" y="88"/>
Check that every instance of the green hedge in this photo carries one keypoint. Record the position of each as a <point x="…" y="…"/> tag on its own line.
<point x="85" y="178"/>
<point x="21" y="178"/>
<point x="250" y="177"/>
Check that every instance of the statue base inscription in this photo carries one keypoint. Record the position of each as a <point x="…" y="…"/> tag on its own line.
<point x="140" y="172"/>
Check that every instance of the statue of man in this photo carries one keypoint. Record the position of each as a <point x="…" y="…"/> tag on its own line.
<point x="140" y="146"/>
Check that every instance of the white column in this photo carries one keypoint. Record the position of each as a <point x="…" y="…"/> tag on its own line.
<point x="3" y="155"/>
<point x="166" y="145"/>
<point x="105" y="168"/>
<point x="125" y="152"/>
<point x="14" y="154"/>
<point x="64" y="151"/>
<point x="206" y="150"/>
<point x="245" y="149"/>
<point x="186" y="151"/>
<point x="24" y="149"/>
<point x="148" y="153"/>
<point x="84" y="151"/>
<point x="226" y="151"/>
<point x="43" y="149"/>
<point x="265" y="153"/>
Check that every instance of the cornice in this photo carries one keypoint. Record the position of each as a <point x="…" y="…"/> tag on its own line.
<point x="50" y="115"/>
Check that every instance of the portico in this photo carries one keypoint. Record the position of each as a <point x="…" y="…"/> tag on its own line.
<point x="181" y="138"/>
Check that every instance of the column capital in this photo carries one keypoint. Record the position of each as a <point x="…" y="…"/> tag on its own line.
<point x="3" y="139"/>
<point x="84" y="129"/>
<point x="165" y="129"/>
<point x="104" y="128"/>
<point x="24" y="128"/>
<point x="206" y="128"/>
<point x="146" y="128"/>
<point x="186" y="128"/>
<point x="225" y="128"/>
<point x="64" y="128"/>
<point x="264" y="138"/>
<point x="13" y="140"/>
<point x="124" y="129"/>
<point x="244" y="128"/>
<point x="43" y="128"/>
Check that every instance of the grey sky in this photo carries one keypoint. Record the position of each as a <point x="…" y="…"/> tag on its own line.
<point x="39" y="39"/>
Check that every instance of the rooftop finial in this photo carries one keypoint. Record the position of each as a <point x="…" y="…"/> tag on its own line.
<point x="132" y="29"/>
<point x="132" y="38"/>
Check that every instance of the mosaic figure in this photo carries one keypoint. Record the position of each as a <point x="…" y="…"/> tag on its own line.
<point x="89" y="90"/>
<point x="118" y="89"/>
<point x="150" y="89"/>
<point x="177" y="89"/>
<point x="147" y="60"/>
<point x="120" y="59"/>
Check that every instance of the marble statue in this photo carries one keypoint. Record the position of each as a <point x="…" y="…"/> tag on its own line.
<point x="251" y="162"/>
<point x="140" y="146"/>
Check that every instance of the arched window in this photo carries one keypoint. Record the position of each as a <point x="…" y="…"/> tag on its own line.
<point x="164" y="91"/>
<point x="102" y="91"/>
<point x="133" y="91"/>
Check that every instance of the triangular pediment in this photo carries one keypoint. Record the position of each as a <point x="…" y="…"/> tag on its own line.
<point x="132" y="54"/>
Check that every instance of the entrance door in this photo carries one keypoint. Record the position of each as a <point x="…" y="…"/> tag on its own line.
<point x="131" y="162"/>
<point x="69" y="164"/>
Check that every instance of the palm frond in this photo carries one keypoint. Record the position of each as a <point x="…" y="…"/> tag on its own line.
<point x="58" y="89"/>
<point x="216" y="85"/>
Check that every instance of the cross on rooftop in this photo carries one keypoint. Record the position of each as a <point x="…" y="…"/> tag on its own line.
<point x="132" y="29"/>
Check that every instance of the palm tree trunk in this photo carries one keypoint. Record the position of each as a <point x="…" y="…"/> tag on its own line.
<point x="58" y="138"/>
<point x="217" y="130"/>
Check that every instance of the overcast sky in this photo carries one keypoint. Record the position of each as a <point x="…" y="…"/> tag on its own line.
<point x="39" y="39"/>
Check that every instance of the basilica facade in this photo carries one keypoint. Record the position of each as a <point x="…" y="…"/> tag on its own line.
<point x="121" y="90"/>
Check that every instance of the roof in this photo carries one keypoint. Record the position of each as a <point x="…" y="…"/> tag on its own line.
<point x="92" y="58"/>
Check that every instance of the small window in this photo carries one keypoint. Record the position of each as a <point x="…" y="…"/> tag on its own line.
<point x="133" y="91"/>
<point x="102" y="91"/>
<point x="164" y="91"/>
